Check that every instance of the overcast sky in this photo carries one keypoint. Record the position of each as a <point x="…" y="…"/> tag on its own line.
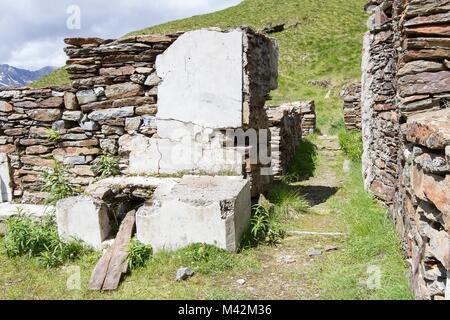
<point x="32" y="31"/>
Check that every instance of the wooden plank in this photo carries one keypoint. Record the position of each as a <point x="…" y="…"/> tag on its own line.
<point x="100" y="271"/>
<point x="118" y="264"/>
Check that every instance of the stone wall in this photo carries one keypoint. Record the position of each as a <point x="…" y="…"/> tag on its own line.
<point x="113" y="92"/>
<point x="285" y="131"/>
<point x="211" y="117"/>
<point x="352" y="106"/>
<point x="112" y="107"/>
<point x="307" y="110"/>
<point x="405" y="124"/>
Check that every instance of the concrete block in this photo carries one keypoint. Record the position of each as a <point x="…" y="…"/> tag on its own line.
<point x="83" y="219"/>
<point x="205" y="69"/>
<point x="199" y="209"/>
<point x="167" y="156"/>
<point x="5" y="179"/>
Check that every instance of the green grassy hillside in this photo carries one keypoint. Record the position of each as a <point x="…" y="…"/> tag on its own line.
<point x="322" y="41"/>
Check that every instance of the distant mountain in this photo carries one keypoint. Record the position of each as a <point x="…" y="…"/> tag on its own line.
<point x="15" y="77"/>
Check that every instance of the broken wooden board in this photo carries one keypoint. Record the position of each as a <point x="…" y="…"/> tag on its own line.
<point x="113" y="264"/>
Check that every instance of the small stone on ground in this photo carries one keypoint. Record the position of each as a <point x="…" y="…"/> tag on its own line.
<point x="184" y="274"/>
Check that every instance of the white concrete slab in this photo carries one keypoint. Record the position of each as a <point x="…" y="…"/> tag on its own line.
<point x="202" y="79"/>
<point x="5" y="179"/>
<point x="200" y="209"/>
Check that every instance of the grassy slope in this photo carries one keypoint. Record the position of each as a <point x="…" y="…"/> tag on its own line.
<point x="323" y="42"/>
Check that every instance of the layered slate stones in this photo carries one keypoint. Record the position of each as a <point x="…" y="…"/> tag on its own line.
<point x="286" y="133"/>
<point x="405" y="121"/>
<point x="352" y="106"/>
<point x="199" y="209"/>
<point x="106" y="100"/>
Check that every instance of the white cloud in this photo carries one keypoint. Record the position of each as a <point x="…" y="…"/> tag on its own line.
<point x="32" y="31"/>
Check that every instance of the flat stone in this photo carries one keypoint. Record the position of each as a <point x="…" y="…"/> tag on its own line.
<point x="430" y="129"/>
<point x="183" y="274"/>
<point x="117" y="72"/>
<point x="152" y="80"/>
<point x="123" y="90"/>
<point x="83" y="219"/>
<point x="209" y="85"/>
<point x="7" y="148"/>
<point x="53" y="102"/>
<point x="36" y="150"/>
<point x="144" y="70"/>
<point x="432" y="188"/>
<point x="107" y="114"/>
<point x="70" y="101"/>
<point x="150" y="109"/>
<point x="16" y="132"/>
<point x="45" y="115"/>
<point x="80" y="143"/>
<point x="6" y="107"/>
<point x="72" y="116"/>
<point x="198" y="209"/>
<point x="433" y="163"/>
<point x="36" y="161"/>
<point x="424" y="83"/>
<point x="86" y="96"/>
<point x="314" y="252"/>
<point x="132" y="125"/>
<point x="286" y="259"/>
<point x="138" y="78"/>
<point x="83" y="41"/>
<point x="419" y="66"/>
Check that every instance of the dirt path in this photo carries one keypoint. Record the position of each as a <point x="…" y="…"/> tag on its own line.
<point x="288" y="271"/>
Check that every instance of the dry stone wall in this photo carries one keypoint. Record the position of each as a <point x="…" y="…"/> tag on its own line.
<point x="112" y="107"/>
<point x="405" y="123"/>
<point x="287" y="128"/>
<point x="114" y="91"/>
<point x="352" y="106"/>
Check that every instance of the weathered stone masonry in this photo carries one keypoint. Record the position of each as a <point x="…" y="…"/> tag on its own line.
<point x="188" y="103"/>
<point x="352" y="106"/>
<point x="405" y="123"/>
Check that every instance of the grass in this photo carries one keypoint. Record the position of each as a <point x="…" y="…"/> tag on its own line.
<point x="39" y="240"/>
<point x="351" y="143"/>
<point x="323" y="41"/>
<point x="59" y="77"/>
<point x="372" y="246"/>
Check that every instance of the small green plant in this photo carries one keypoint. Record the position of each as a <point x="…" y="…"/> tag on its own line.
<point x="106" y="165"/>
<point x="138" y="254"/>
<point x="53" y="135"/>
<point x="264" y="227"/>
<point x="39" y="239"/>
<point x="351" y="144"/>
<point x="57" y="185"/>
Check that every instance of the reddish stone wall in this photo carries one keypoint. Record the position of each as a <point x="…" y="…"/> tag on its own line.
<point x="405" y="122"/>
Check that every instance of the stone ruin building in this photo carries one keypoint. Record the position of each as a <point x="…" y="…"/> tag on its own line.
<point x="185" y="113"/>
<point x="406" y="130"/>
